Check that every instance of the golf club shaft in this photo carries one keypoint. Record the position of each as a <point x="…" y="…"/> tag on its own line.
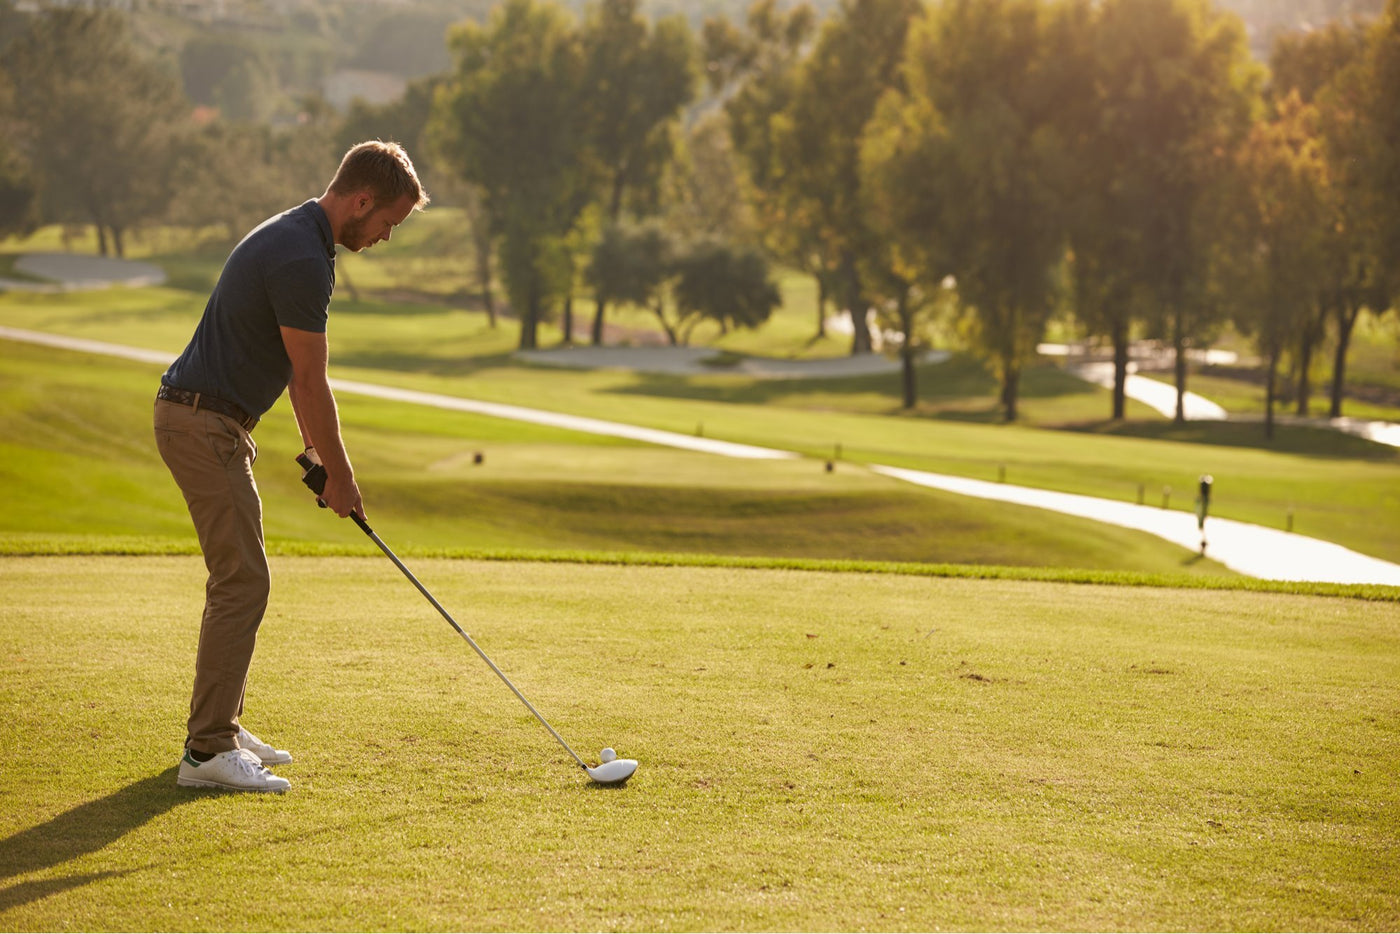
<point x="359" y="520"/>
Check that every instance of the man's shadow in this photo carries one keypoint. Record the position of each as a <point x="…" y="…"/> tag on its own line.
<point x="84" y="829"/>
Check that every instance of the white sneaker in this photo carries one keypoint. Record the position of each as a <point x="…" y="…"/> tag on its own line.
<point x="265" y="752"/>
<point x="235" y="770"/>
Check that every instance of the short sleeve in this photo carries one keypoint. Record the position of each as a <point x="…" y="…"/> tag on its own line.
<point x="299" y="292"/>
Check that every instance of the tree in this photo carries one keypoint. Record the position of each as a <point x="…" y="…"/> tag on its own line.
<point x="270" y="168"/>
<point x="1328" y="69"/>
<point x="248" y="93"/>
<point x="856" y="59"/>
<point x="17" y="196"/>
<point x="981" y="67"/>
<point x="514" y="119"/>
<point x="630" y="264"/>
<point x="1283" y="255"/>
<point x="483" y="245"/>
<point x="208" y="60"/>
<point x="97" y="122"/>
<point x="639" y="77"/>
<point x="1107" y="56"/>
<point x="719" y="282"/>
<point x="1173" y="93"/>
<point x="1201" y="96"/>
<point x="704" y="194"/>
<point x="1384" y="118"/>
<point x="904" y="168"/>
<point x="755" y="72"/>
<point x="17" y="191"/>
<point x="403" y="120"/>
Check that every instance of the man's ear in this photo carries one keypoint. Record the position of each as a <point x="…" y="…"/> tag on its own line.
<point x="364" y="203"/>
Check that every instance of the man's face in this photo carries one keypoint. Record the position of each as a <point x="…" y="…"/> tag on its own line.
<point x="373" y="222"/>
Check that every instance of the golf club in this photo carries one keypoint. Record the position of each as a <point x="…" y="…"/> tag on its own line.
<point x="611" y="771"/>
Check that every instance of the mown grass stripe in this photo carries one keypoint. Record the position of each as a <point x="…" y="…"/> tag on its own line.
<point x="31" y="546"/>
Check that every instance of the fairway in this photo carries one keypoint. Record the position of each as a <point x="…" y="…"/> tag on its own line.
<point x="819" y="751"/>
<point x="857" y="703"/>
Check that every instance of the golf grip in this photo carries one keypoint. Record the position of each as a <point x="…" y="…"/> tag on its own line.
<point x="364" y="526"/>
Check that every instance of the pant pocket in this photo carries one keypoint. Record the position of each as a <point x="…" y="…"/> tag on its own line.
<point x="225" y="441"/>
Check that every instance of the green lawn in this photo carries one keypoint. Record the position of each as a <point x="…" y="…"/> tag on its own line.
<point x="1335" y="487"/>
<point x="858" y="705"/>
<point x="75" y="432"/>
<point x="819" y="752"/>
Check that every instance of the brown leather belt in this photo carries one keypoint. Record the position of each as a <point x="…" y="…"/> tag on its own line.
<point x="205" y="401"/>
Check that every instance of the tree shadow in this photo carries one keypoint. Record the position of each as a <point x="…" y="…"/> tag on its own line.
<point x="405" y="362"/>
<point x="1305" y="441"/>
<point x="79" y="831"/>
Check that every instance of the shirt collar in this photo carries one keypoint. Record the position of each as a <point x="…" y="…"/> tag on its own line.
<point x="323" y="224"/>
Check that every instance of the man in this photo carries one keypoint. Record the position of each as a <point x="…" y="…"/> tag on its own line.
<point x="263" y="330"/>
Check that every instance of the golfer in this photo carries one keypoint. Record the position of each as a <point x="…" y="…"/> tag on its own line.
<point x="263" y="331"/>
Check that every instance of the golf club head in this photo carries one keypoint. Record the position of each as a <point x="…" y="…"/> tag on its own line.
<point x="615" y="772"/>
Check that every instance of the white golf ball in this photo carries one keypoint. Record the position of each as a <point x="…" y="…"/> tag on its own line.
<point x="607" y="755"/>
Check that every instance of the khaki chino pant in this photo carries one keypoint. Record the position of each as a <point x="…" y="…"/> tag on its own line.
<point x="211" y="458"/>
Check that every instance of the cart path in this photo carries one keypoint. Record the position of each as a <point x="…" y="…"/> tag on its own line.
<point x="1248" y="549"/>
<point x="1254" y="550"/>
<point x="59" y="272"/>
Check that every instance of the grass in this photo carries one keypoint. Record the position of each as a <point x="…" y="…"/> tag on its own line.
<point x="1334" y="487"/>
<point x="820" y="751"/>
<point x="858" y="705"/>
<point x="74" y="431"/>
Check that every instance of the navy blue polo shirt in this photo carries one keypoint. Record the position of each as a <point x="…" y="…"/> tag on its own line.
<point x="280" y="275"/>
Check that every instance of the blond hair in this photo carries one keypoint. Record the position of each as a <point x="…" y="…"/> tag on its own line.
<point x="383" y="169"/>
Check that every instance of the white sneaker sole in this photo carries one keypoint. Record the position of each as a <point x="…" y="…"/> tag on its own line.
<point x="184" y="782"/>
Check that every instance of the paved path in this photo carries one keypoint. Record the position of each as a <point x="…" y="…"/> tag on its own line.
<point x="1252" y="550"/>
<point x="70" y="271"/>
<point x="592" y="426"/>
<point x="1151" y="392"/>
<point x="454" y="403"/>
<point x="1162" y="397"/>
<point x="1249" y="549"/>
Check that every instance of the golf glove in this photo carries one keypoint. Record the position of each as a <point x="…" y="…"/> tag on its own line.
<point x="313" y="473"/>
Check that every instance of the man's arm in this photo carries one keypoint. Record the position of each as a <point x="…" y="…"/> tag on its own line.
<point x="313" y="403"/>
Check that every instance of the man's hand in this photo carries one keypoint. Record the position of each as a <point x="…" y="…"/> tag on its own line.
<point x="313" y="473"/>
<point x="342" y="497"/>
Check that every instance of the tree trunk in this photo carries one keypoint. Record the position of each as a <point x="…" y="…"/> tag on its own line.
<point x="1179" y="345"/>
<point x="1270" y="379"/>
<point x="687" y="327"/>
<point x="490" y="299"/>
<point x="483" y="275"/>
<point x="568" y="319"/>
<point x="1304" y="365"/>
<point x="119" y="242"/>
<point x="619" y="185"/>
<point x="1310" y="336"/>
<point x="529" y="324"/>
<point x="1347" y="312"/>
<point x="1120" y="369"/>
<point x="821" y="306"/>
<point x="1010" y="387"/>
<point x="602" y="304"/>
<point x="102" y="240"/>
<point x="855" y="307"/>
<point x="342" y="274"/>
<point x="660" y="309"/>
<point x="906" y="353"/>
